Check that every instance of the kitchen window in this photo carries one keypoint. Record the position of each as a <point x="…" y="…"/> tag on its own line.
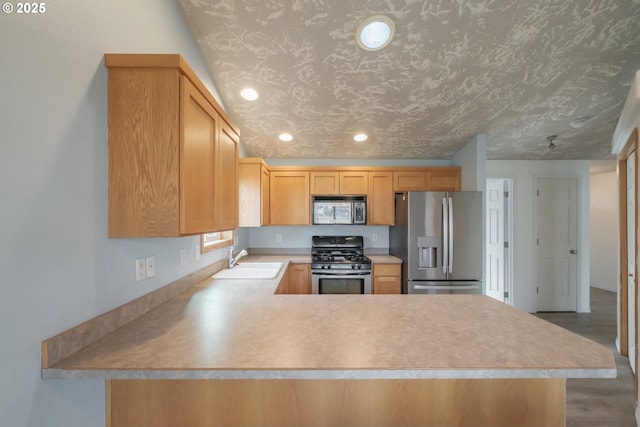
<point x="219" y="239"/>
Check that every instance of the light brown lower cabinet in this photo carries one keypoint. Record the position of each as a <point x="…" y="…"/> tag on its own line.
<point x="296" y="280"/>
<point x="528" y="402"/>
<point x="387" y="278"/>
<point x="299" y="279"/>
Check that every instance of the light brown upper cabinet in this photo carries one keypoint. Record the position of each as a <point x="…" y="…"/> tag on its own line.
<point x="353" y="182"/>
<point x="172" y="151"/>
<point x="196" y="159"/>
<point x="380" y="198"/>
<point x="324" y="182"/>
<point x="253" y="192"/>
<point x="409" y="180"/>
<point x="445" y="178"/>
<point x="338" y="182"/>
<point x="227" y="178"/>
<point x="289" y="198"/>
<point x="285" y="194"/>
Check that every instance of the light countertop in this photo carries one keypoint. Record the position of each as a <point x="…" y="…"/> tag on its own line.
<point x="238" y="329"/>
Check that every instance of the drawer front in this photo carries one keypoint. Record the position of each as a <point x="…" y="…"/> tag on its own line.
<point x="387" y="285"/>
<point x="386" y="269"/>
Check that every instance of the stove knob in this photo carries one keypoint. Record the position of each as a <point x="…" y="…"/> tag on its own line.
<point x="353" y="266"/>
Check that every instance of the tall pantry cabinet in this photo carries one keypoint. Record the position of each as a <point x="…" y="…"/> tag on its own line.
<point x="173" y="151"/>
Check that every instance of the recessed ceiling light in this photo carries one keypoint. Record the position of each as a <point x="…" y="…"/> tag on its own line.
<point x="375" y="32"/>
<point x="249" y="94"/>
<point x="359" y="137"/>
<point x="286" y="137"/>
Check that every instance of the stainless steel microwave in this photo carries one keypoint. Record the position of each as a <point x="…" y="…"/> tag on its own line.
<point x="340" y="210"/>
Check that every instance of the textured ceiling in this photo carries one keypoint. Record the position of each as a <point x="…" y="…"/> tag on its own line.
<point x="515" y="70"/>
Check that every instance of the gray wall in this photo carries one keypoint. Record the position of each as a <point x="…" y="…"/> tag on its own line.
<point x="524" y="174"/>
<point x="472" y="158"/>
<point x="300" y="236"/>
<point x="57" y="267"/>
<point x="604" y="216"/>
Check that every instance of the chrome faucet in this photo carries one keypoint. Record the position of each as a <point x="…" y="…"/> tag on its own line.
<point x="234" y="261"/>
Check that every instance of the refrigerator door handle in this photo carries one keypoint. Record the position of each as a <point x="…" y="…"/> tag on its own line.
<point x="450" y="245"/>
<point x="445" y="235"/>
<point x="446" y="287"/>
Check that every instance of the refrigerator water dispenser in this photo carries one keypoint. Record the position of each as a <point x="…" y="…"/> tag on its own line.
<point x="428" y="252"/>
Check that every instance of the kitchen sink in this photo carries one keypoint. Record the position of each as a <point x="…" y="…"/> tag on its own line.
<point x="250" y="270"/>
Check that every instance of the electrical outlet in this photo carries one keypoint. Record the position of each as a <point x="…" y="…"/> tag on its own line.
<point x="183" y="257"/>
<point x="141" y="269"/>
<point x="374" y="237"/>
<point x="151" y="266"/>
<point x="197" y="253"/>
<point x="278" y="237"/>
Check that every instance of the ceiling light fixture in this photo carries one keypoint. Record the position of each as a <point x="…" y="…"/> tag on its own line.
<point x="360" y="137"/>
<point x="286" y="137"/>
<point x="249" y="94"/>
<point x="550" y="140"/>
<point x="375" y="32"/>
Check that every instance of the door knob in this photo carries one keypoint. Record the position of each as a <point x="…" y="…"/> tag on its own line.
<point x="573" y="251"/>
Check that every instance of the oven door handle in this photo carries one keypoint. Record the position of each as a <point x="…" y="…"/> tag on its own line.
<point x="341" y="273"/>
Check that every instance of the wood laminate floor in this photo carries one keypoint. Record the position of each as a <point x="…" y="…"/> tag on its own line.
<point x="598" y="402"/>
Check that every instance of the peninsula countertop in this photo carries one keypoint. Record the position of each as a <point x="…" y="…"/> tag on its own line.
<point x="240" y="329"/>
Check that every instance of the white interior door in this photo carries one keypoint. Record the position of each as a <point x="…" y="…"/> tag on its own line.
<point x="631" y="261"/>
<point x="495" y="239"/>
<point x="557" y="243"/>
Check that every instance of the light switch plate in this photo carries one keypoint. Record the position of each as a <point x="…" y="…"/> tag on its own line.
<point x="197" y="253"/>
<point x="141" y="269"/>
<point x="151" y="266"/>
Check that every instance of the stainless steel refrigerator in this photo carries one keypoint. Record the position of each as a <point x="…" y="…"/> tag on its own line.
<point x="438" y="236"/>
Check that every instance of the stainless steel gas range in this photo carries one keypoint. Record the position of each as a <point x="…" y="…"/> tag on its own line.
<point x="339" y="266"/>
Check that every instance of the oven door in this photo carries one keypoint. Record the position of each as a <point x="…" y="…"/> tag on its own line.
<point x="340" y="282"/>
